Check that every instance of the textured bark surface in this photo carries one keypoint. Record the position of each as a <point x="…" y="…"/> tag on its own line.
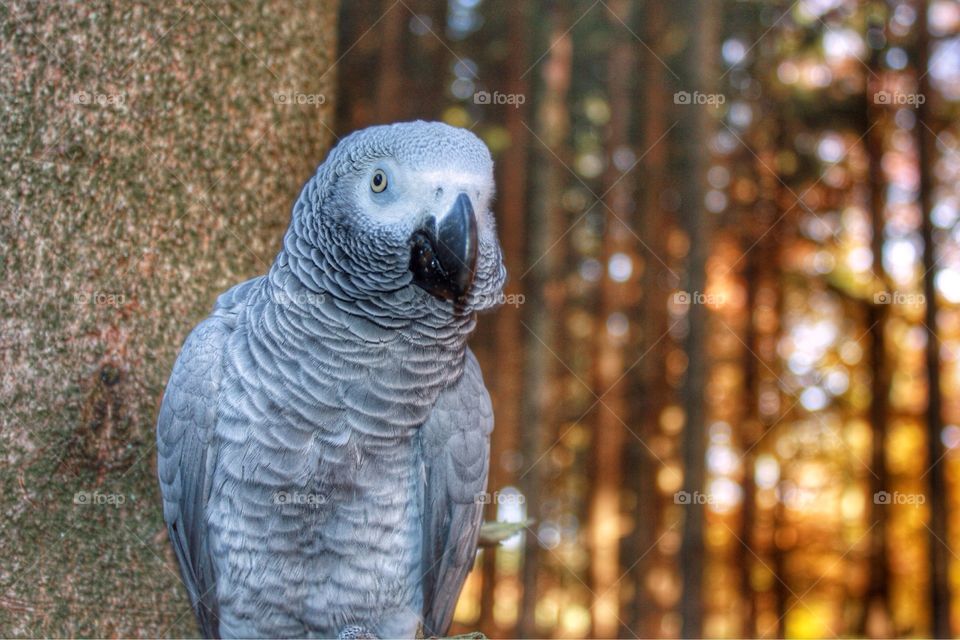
<point x="151" y="154"/>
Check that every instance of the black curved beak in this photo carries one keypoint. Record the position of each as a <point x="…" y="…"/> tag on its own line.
<point x="444" y="260"/>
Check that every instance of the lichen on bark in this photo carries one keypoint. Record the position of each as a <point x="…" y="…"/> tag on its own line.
<point x="151" y="154"/>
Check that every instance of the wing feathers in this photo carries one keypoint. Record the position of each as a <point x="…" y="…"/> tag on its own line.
<point x="185" y="460"/>
<point x="456" y="450"/>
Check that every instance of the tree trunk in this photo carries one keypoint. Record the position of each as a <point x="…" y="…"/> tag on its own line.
<point x="875" y="619"/>
<point x="152" y="153"/>
<point x="752" y="278"/>
<point x="696" y="70"/>
<point x="610" y="430"/>
<point x="512" y="179"/>
<point x="936" y="474"/>
<point x="543" y="306"/>
<point x="427" y="83"/>
<point x="390" y="82"/>
<point x="357" y="89"/>
<point x="650" y="389"/>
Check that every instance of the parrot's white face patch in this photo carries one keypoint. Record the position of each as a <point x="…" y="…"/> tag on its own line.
<point x="412" y="194"/>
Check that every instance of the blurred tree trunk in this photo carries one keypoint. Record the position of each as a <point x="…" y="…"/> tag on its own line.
<point x="152" y="153"/>
<point x="875" y="619"/>
<point x="608" y="380"/>
<point x="762" y="277"/>
<point x="696" y="73"/>
<point x="758" y="552"/>
<point x="782" y="604"/>
<point x="357" y="87"/>
<point x="426" y="86"/>
<point x="936" y="472"/>
<point x="756" y="260"/>
<point x="650" y="388"/>
<point x="542" y="311"/>
<point x="775" y="206"/>
<point x="391" y="85"/>
<point x="512" y="179"/>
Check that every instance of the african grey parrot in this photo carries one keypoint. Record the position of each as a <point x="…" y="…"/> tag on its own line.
<point x="323" y="442"/>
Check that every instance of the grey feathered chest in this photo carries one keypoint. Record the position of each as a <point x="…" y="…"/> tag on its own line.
<point x="315" y="512"/>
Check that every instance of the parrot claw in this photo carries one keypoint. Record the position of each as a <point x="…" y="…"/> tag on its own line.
<point x="473" y="635"/>
<point x="355" y="632"/>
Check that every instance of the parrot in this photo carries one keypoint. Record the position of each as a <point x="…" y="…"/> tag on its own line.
<point x="323" y="442"/>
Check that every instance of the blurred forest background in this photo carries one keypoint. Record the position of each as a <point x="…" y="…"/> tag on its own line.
<point x="726" y="375"/>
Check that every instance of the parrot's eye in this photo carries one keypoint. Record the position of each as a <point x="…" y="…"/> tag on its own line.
<point x="379" y="181"/>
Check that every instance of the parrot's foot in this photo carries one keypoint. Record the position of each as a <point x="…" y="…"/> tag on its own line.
<point x="473" y="635"/>
<point x="355" y="632"/>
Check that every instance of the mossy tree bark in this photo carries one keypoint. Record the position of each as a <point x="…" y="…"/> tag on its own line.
<point x="151" y="153"/>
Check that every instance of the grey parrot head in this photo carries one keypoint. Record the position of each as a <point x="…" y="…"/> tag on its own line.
<point x="400" y="215"/>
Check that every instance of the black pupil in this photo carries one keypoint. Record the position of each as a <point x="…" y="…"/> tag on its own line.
<point x="378" y="179"/>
